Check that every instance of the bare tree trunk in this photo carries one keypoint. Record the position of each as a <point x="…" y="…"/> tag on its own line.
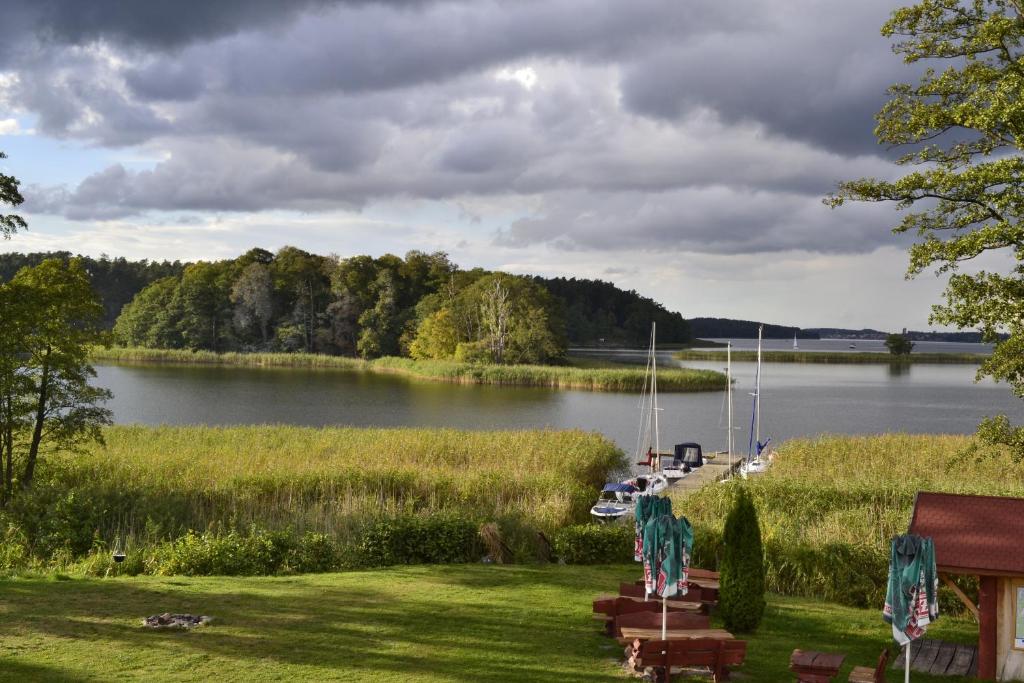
<point x="37" y="430"/>
<point x="7" y="454"/>
<point x="495" y="313"/>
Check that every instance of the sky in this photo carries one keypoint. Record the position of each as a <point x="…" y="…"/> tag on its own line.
<point x="678" y="148"/>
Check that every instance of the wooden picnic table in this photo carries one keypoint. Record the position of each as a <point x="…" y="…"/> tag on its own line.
<point x="631" y="634"/>
<point x="815" y="667"/>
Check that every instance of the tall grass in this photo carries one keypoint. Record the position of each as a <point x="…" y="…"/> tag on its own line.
<point x="833" y="357"/>
<point x="552" y="376"/>
<point x="829" y="506"/>
<point x="330" y="480"/>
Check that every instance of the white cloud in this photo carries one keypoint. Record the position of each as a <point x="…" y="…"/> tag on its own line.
<point x="11" y="126"/>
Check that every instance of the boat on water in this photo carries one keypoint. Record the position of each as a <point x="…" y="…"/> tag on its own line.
<point x="618" y="500"/>
<point x="758" y="458"/>
<point x="795" y="345"/>
<point x="615" y="502"/>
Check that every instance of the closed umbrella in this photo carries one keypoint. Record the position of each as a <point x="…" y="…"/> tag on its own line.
<point x="911" y="598"/>
<point x="647" y="507"/>
<point x="667" y="545"/>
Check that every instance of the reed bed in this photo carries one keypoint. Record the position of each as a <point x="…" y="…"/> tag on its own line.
<point x="626" y="379"/>
<point x="331" y="480"/>
<point x="829" y="506"/>
<point x="838" y="357"/>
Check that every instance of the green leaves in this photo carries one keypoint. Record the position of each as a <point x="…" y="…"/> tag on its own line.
<point x="9" y="194"/>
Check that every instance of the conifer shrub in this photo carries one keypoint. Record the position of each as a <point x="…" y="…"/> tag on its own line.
<point x="741" y="596"/>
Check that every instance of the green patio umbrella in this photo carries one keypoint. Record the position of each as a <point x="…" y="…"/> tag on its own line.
<point x="667" y="545"/>
<point x="911" y="598"/>
<point x="647" y="507"/>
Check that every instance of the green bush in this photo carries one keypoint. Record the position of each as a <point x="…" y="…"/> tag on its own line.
<point x="595" y="543"/>
<point x="438" y="539"/>
<point x="230" y="554"/>
<point x="315" y="553"/>
<point x="741" y="597"/>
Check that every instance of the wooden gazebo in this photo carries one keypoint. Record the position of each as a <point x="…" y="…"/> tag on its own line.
<point x="982" y="536"/>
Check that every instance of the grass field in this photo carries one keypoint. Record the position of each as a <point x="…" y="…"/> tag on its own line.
<point x="448" y="623"/>
<point x="148" y="484"/>
<point x="580" y="376"/>
<point x="833" y="357"/>
<point x="829" y="506"/>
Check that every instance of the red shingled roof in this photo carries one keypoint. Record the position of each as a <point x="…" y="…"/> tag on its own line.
<point x="972" y="534"/>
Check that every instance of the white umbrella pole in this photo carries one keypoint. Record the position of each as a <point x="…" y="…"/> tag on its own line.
<point x="906" y="674"/>
<point x="664" y="616"/>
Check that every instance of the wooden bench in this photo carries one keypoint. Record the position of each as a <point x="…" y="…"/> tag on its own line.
<point x="652" y="620"/>
<point x="815" y="667"/>
<point x="718" y="655"/>
<point x="863" y="674"/>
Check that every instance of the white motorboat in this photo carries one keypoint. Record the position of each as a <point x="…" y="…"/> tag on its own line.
<point x="615" y="502"/>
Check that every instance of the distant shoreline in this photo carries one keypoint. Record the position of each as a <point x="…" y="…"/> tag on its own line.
<point x="836" y="357"/>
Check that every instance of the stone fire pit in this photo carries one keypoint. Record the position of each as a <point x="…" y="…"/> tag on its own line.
<point x="168" y="620"/>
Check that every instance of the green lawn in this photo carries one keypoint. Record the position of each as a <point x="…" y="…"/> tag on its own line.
<point x="428" y="623"/>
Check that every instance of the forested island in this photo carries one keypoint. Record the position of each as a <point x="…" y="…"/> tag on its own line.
<point x="420" y="305"/>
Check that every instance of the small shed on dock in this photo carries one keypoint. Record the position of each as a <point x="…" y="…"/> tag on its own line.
<point x="982" y="536"/>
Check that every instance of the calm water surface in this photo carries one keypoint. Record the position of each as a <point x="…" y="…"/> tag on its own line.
<point x="797" y="400"/>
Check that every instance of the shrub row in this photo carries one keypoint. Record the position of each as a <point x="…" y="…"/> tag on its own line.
<point x="382" y="542"/>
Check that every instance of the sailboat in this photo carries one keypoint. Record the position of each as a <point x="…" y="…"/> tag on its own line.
<point x="618" y="499"/>
<point x="727" y="408"/>
<point x="756" y="461"/>
<point x="648" y="441"/>
<point x="795" y="345"/>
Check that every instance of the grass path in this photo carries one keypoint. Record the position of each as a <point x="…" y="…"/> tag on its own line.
<point x="440" y="623"/>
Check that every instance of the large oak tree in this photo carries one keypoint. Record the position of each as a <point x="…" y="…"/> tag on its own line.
<point x="961" y="127"/>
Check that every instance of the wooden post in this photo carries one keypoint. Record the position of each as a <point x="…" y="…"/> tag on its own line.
<point x="987" y="628"/>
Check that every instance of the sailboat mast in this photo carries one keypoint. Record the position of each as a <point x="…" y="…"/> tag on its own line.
<point x="654" y="391"/>
<point x="728" y="398"/>
<point x="757" y="387"/>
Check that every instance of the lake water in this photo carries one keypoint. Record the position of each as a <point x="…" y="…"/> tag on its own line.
<point x="796" y="400"/>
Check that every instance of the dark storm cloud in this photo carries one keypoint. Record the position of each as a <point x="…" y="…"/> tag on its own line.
<point x="814" y="71"/>
<point x="702" y="125"/>
<point x="155" y="24"/>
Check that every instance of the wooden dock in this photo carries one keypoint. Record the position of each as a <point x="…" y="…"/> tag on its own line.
<point x="940" y="658"/>
<point x="713" y="470"/>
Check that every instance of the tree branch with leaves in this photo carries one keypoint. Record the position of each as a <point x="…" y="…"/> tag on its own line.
<point x="11" y="196"/>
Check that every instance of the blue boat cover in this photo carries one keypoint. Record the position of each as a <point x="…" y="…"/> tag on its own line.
<point x="624" y="488"/>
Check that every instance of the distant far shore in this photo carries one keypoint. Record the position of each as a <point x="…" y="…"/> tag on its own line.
<point x="837" y="357"/>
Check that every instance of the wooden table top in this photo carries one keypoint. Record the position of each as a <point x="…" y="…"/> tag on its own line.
<point x="675" y="604"/>
<point x="819" y="661"/>
<point x="631" y="634"/>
